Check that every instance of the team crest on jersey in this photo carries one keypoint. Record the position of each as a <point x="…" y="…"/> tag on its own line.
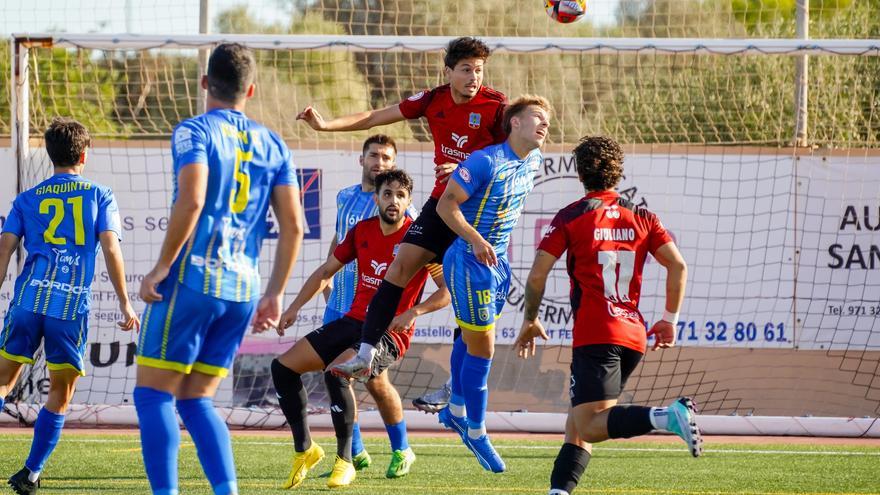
<point x="394" y="251"/>
<point x="416" y="97"/>
<point x="484" y="314"/>
<point x="465" y="174"/>
<point x="474" y="120"/>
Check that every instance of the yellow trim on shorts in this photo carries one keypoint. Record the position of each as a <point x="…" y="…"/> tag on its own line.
<point x="476" y="328"/>
<point x="164" y="365"/>
<point x="207" y="369"/>
<point x="64" y="366"/>
<point x="17" y="359"/>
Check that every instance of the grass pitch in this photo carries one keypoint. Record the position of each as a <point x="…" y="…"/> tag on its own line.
<point x="111" y="464"/>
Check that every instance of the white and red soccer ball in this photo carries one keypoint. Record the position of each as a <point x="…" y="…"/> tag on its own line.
<point x="565" y="11"/>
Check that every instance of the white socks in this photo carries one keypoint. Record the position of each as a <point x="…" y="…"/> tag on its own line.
<point x="476" y="433"/>
<point x="659" y="418"/>
<point x="457" y="410"/>
<point x="367" y="352"/>
<point x="33" y="476"/>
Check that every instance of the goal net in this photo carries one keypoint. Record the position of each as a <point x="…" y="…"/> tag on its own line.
<point x="782" y="314"/>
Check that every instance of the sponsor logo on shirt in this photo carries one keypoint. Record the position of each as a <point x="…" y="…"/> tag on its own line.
<point x="465" y="174"/>
<point x="474" y="120"/>
<point x="612" y="211"/>
<point x="453" y="153"/>
<point x="66" y="260"/>
<point x="378" y="268"/>
<point x="182" y="140"/>
<point x="460" y="140"/>
<point x="59" y="286"/>
<point x="416" y="97"/>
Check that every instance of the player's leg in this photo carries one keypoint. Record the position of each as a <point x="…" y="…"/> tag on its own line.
<point x="19" y="340"/>
<point x="9" y="371"/>
<point x="342" y="412"/>
<point x="390" y="407"/>
<point x="571" y="462"/>
<point x="311" y="353"/>
<point x="165" y="356"/>
<point x="427" y="239"/>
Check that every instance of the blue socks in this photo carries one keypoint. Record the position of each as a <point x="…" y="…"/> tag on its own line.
<point x="397" y="436"/>
<point x="213" y="445"/>
<point x="2" y="401"/>
<point x="456" y="361"/>
<point x="357" y="443"/>
<point x="47" y="431"/>
<point x="160" y="438"/>
<point x="474" y="378"/>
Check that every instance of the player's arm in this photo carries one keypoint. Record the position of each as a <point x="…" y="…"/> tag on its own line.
<point x="329" y="288"/>
<point x="670" y="258"/>
<point x="8" y="245"/>
<point x="288" y="212"/>
<point x="535" y="286"/>
<point x="192" y="184"/>
<point x="354" y="122"/>
<point x="313" y="285"/>
<point x="116" y="269"/>
<point x="438" y="300"/>
<point x="449" y="209"/>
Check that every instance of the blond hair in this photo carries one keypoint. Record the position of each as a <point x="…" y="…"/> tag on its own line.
<point x="521" y="103"/>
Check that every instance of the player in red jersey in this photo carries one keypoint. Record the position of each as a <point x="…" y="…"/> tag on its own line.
<point x="608" y="240"/>
<point x="373" y="243"/>
<point x="464" y="116"/>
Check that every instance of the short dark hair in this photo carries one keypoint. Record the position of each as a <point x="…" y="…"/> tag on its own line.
<point x="395" y="175"/>
<point x="381" y="140"/>
<point x="231" y="71"/>
<point x="66" y="140"/>
<point x="599" y="162"/>
<point x="521" y="103"/>
<point x="464" y="48"/>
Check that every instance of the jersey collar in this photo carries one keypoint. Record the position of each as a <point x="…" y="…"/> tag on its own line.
<point x="603" y="194"/>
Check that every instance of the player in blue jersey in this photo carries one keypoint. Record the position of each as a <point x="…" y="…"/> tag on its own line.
<point x="203" y="291"/>
<point x="62" y="222"/>
<point x="353" y="204"/>
<point x="482" y="204"/>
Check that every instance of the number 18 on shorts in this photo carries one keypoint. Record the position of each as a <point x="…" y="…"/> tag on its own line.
<point x="478" y="291"/>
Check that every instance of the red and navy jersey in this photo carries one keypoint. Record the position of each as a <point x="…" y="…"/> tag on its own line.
<point x="457" y="129"/>
<point x="608" y="240"/>
<point x="374" y="252"/>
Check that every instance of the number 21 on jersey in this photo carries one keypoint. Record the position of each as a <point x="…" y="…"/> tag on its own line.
<point x="616" y="280"/>
<point x="55" y="207"/>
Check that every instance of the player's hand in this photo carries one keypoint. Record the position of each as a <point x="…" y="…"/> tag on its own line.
<point x="287" y="318"/>
<point x="443" y="171"/>
<point x="664" y="335"/>
<point x="268" y="313"/>
<point x="525" y="344"/>
<point x="130" y="318"/>
<point x="312" y="118"/>
<point x="403" y="321"/>
<point x="148" y="285"/>
<point x="484" y="252"/>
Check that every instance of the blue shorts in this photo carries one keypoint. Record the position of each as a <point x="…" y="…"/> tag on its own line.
<point x="478" y="291"/>
<point x="189" y="331"/>
<point x="65" y="340"/>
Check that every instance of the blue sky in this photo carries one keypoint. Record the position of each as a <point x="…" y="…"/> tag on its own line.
<point x="156" y="16"/>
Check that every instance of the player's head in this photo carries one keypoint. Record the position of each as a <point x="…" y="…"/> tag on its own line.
<point x="231" y="72"/>
<point x="599" y="162"/>
<point x="464" y="65"/>
<point x="527" y="120"/>
<point x="379" y="154"/>
<point x="67" y="142"/>
<point x="393" y="195"/>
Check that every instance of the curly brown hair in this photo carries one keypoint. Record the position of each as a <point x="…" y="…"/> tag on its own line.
<point x="396" y="175"/>
<point x="66" y="140"/>
<point x="599" y="162"/>
<point x="464" y="48"/>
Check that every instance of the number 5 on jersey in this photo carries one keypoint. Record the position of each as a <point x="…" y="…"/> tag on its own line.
<point x="238" y="200"/>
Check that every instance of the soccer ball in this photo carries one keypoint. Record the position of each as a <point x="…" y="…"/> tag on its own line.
<point x="565" y="11"/>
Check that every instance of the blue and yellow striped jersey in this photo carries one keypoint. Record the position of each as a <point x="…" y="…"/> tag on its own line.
<point x="497" y="182"/>
<point x="60" y="220"/>
<point x="245" y="161"/>
<point x="353" y="204"/>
